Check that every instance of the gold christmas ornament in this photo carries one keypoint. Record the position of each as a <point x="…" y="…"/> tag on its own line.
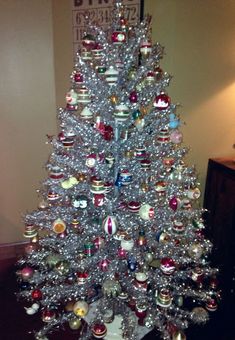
<point x="80" y="308"/>
<point x="81" y="177"/>
<point x="58" y="226"/>
<point x="195" y="251"/>
<point x="75" y="324"/>
<point x="62" y="267"/>
<point x="113" y="99"/>
<point x="69" y="306"/>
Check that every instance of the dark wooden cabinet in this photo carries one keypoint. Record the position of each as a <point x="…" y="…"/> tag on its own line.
<point x="219" y="200"/>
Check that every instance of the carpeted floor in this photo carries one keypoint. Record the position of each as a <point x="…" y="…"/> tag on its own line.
<point x="15" y="324"/>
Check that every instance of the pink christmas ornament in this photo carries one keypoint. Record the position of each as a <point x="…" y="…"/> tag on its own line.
<point x="176" y="137"/>
<point x="104" y="265"/>
<point x="99" y="242"/>
<point x="27" y="273"/>
<point x="174" y="203"/>
<point x="133" y="97"/>
<point x="122" y="253"/>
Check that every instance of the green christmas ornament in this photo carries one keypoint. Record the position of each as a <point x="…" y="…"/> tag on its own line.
<point x="53" y="259"/>
<point x="62" y="267"/>
<point x="136" y="114"/>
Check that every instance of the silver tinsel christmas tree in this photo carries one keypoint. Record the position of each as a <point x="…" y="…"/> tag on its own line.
<point x="118" y="233"/>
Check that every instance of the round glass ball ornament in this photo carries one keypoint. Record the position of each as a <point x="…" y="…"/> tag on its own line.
<point x="176" y="137"/>
<point x="71" y="100"/>
<point x="133" y="97"/>
<point x="97" y="51"/>
<point x="62" y="267"/>
<point x="146" y="212"/>
<point x="75" y="323"/>
<point x="121" y="112"/>
<point x="48" y="315"/>
<point x="195" y="251"/>
<point x="118" y="37"/>
<point x="110" y="225"/>
<point x="58" y="226"/>
<point x="88" y="41"/>
<point x="80" y="308"/>
<point x="145" y="48"/>
<point x="111" y="75"/>
<point x="27" y="273"/>
<point x="99" y="330"/>
<point x="162" y="101"/>
<point x="167" y="265"/>
<point x="104" y="265"/>
<point x="36" y="294"/>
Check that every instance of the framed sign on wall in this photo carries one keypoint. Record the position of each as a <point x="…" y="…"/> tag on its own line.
<point x="100" y="11"/>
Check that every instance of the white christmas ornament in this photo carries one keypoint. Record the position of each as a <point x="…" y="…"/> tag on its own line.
<point x="111" y="76"/>
<point x="121" y="112"/>
<point x="86" y="113"/>
<point x="72" y="97"/>
<point x="146" y="212"/>
<point x="127" y="244"/>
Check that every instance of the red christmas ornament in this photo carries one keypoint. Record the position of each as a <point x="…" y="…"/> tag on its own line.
<point x="211" y="305"/>
<point x="98" y="200"/>
<point x="82" y="277"/>
<point x="134" y="207"/>
<point x="107" y="132"/>
<point x="48" y="315"/>
<point x="122" y="253"/>
<point x="171" y="328"/>
<point x="173" y="203"/>
<point x="36" y="294"/>
<point x="78" y="78"/>
<point x="140" y="312"/>
<point x="99" y="242"/>
<point x="61" y="136"/>
<point x="133" y="97"/>
<point x="99" y="330"/>
<point x="97" y="51"/>
<point x="118" y="37"/>
<point x="167" y="266"/>
<point x="88" y="41"/>
<point x="68" y="142"/>
<point x="104" y="265"/>
<point x="162" y="101"/>
<point x="197" y="275"/>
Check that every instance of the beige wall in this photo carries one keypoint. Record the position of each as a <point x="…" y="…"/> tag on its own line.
<point x="27" y="111"/>
<point x="198" y="36"/>
<point x="200" y="54"/>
